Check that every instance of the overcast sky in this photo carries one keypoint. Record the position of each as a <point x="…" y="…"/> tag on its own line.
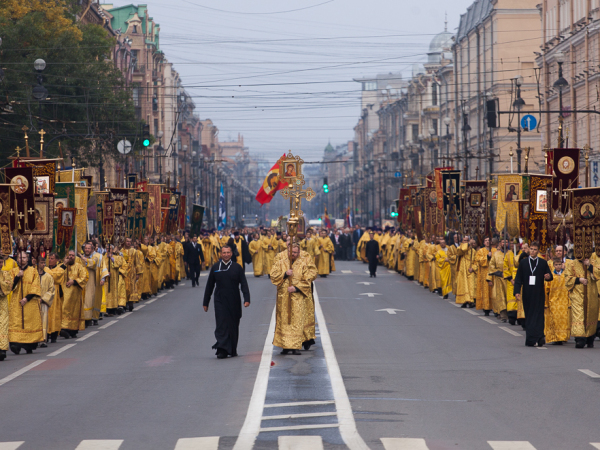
<point x="280" y="72"/>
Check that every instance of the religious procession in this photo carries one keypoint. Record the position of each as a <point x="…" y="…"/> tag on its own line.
<point x="520" y="247"/>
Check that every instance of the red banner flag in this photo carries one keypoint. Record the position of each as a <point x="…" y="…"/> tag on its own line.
<point x="270" y="186"/>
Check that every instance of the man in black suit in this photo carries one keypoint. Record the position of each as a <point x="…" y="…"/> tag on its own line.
<point x="356" y="235"/>
<point x="346" y="245"/>
<point x="186" y="244"/>
<point x="194" y="256"/>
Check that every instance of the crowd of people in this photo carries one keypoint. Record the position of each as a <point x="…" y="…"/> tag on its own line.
<point x="553" y="297"/>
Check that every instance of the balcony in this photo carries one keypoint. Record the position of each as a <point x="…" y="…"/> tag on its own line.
<point x="139" y="69"/>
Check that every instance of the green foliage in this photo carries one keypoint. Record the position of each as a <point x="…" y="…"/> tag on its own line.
<point x="87" y="96"/>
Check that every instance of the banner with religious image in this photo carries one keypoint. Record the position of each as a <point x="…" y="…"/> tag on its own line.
<point x="81" y="220"/>
<point x="120" y="197"/>
<point x="565" y="167"/>
<point x="475" y="212"/>
<point x="142" y="186"/>
<point x="65" y="236"/>
<point x="182" y="213"/>
<point x="154" y="201"/>
<point x="41" y="238"/>
<point x="5" y="240"/>
<point x="22" y="202"/>
<point x="132" y="180"/>
<point x="108" y="220"/>
<point x="141" y="214"/>
<point x="64" y="197"/>
<point x="403" y="202"/>
<point x="586" y="218"/>
<point x="537" y="226"/>
<point x="452" y="207"/>
<point x="439" y="185"/>
<point x="196" y="220"/>
<point x="100" y="198"/>
<point x="511" y="189"/>
<point x="71" y="176"/>
<point x="44" y="173"/>
<point x="131" y="196"/>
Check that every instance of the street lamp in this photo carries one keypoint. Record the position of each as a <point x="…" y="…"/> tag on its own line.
<point x="39" y="92"/>
<point x="447" y="122"/>
<point x="421" y="152"/>
<point x="434" y="151"/>
<point x="560" y="84"/>
<point x="518" y="104"/>
<point x="159" y="152"/>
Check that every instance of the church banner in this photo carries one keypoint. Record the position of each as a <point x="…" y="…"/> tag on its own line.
<point x="64" y="232"/>
<point x="403" y="200"/>
<point x="586" y="217"/>
<point x="22" y="202"/>
<point x="141" y="214"/>
<point x="452" y="207"/>
<point x="120" y="197"/>
<point x="81" y="220"/>
<point x="439" y="186"/>
<point x="41" y="236"/>
<point x="511" y="189"/>
<point x="64" y="197"/>
<point x="565" y="167"/>
<point x="131" y="215"/>
<point x="70" y="176"/>
<point x="537" y="227"/>
<point x="154" y="202"/>
<point x="197" y="216"/>
<point x="182" y="212"/>
<point x="5" y="241"/>
<point x="44" y="173"/>
<point x="101" y="197"/>
<point x="475" y="212"/>
<point x="132" y="180"/>
<point x="108" y="220"/>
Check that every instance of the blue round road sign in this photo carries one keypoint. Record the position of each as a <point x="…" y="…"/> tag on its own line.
<point x="529" y="122"/>
<point x="398" y="175"/>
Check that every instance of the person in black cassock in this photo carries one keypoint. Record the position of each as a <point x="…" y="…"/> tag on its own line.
<point x="531" y="275"/>
<point x="193" y="254"/>
<point x="229" y="277"/>
<point x="372" y="253"/>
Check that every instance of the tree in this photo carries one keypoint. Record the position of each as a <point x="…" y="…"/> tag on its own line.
<point x="87" y="96"/>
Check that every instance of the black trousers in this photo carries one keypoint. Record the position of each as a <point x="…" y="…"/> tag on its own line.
<point x="194" y="272"/>
<point x="373" y="266"/>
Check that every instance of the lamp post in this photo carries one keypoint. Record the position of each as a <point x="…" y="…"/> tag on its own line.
<point x="560" y="84"/>
<point x="39" y="92"/>
<point x="447" y="122"/>
<point x="159" y="152"/>
<point x="421" y="153"/>
<point x="432" y="146"/>
<point x="518" y="104"/>
<point x="381" y="172"/>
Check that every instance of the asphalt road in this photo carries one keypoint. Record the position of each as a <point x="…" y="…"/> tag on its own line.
<point x="431" y="376"/>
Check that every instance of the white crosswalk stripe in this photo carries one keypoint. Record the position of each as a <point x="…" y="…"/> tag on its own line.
<point x="204" y="443"/>
<point x="511" y="445"/>
<point x="404" y="444"/>
<point x="97" y="444"/>
<point x="300" y="443"/>
<point x="10" y="445"/>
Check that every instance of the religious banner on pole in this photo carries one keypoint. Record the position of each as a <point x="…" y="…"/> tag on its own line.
<point x="142" y="186"/>
<point x="22" y="202"/>
<point x="5" y="241"/>
<point x="44" y="173"/>
<point x="197" y="216"/>
<point x="120" y="197"/>
<point x="108" y="220"/>
<point x="154" y="206"/>
<point x="182" y="213"/>
<point x="565" y="167"/>
<point x="42" y="236"/>
<point x="475" y="212"/>
<point x="65" y="236"/>
<point x="451" y="190"/>
<point x="141" y="214"/>
<point x="511" y="189"/>
<point x="537" y="226"/>
<point x="586" y="217"/>
<point x="101" y="197"/>
<point x="132" y="180"/>
<point x="64" y="197"/>
<point x="131" y="196"/>
<point x="81" y="220"/>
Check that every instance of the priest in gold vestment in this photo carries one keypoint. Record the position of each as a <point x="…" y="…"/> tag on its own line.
<point x="6" y="283"/>
<point x="557" y="312"/>
<point x="453" y="257"/>
<point x="256" y="251"/>
<point x="92" y="292"/>
<point x="292" y="276"/>
<point x="325" y="258"/>
<point x="55" y="311"/>
<point x="483" y="293"/>
<point x="465" y="274"/>
<point x="580" y="281"/>
<point x="25" y="329"/>
<point x="74" y="281"/>
<point x="496" y="280"/>
<point x="443" y="264"/>
<point x="47" y="294"/>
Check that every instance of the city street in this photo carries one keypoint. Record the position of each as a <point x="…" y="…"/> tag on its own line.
<point x="417" y="372"/>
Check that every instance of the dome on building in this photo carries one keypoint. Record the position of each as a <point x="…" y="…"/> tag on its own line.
<point x="329" y="148"/>
<point x="441" y="42"/>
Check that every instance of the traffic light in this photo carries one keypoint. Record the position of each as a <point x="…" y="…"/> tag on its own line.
<point x="146" y="136"/>
<point x="325" y="186"/>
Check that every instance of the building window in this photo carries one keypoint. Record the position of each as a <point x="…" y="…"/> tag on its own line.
<point x="434" y="125"/>
<point x="370" y="86"/>
<point x="136" y="96"/>
<point x="434" y="96"/>
<point x="135" y="59"/>
<point x="135" y="29"/>
<point x="415" y="132"/>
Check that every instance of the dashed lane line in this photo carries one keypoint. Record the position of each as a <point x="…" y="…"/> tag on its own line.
<point x="488" y="320"/>
<point x="300" y="443"/>
<point x="122" y="316"/>
<point x="21" y="372"/>
<point x="404" y="444"/>
<point x="63" y="349"/>
<point x="511" y="445"/>
<point x="475" y="313"/>
<point x="590" y="374"/>
<point x="10" y="445"/>
<point x="140" y="306"/>
<point x="105" y="326"/>
<point x="88" y="335"/>
<point x="204" y="443"/>
<point x="509" y="331"/>
<point x="97" y="444"/>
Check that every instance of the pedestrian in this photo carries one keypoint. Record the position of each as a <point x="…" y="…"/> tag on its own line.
<point x="228" y="277"/>
<point x="372" y="253"/>
<point x="557" y="315"/>
<point x="47" y="294"/>
<point x="194" y="260"/>
<point x="443" y="264"/>
<point x="531" y="275"/>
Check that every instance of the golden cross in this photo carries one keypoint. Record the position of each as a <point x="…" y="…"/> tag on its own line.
<point x="42" y="133"/>
<point x="18" y="149"/>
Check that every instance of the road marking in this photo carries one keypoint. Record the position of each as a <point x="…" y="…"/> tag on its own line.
<point x="488" y="320"/>
<point x="21" y="372"/>
<point x="366" y="271"/>
<point x="458" y="305"/>
<point x="300" y="443"/>
<point x="183" y="284"/>
<point x="404" y="444"/>
<point x="302" y="427"/>
<point x="203" y="274"/>
<point x="514" y="333"/>
<point x="346" y="271"/>
<point x="511" y="445"/>
<point x="298" y="416"/>
<point x="14" y="445"/>
<point x="122" y="316"/>
<point x="151" y="301"/>
<point x="475" y="313"/>
<point x="593" y="444"/>
<point x="60" y="350"/>
<point x="97" y="444"/>
<point x="205" y="443"/>
<point x="347" y="425"/>
<point x="89" y="335"/>
<point x="542" y="348"/>
<point x="390" y="310"/>
<point x="589" y="373"/>
<point x="370" y="294"/>
<point x="161" y="295"/>
<point x="283" y="405"/>
<point x="112" y="322"/>
<point x="140" y="306"/>
<point x="251" y="427"/>
<point x="366" y="283"/>
<point x="391" y="271"/>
